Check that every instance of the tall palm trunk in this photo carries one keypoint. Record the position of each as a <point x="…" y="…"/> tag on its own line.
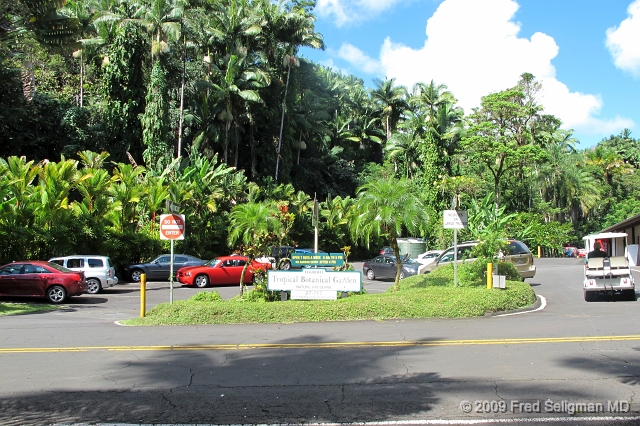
<point x="184" y="70"/>
<point x="284" y="101"/>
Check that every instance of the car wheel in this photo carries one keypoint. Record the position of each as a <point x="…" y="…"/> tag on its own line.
<point x="135" y="275"/>
<point x="402" y="275"/>
<point x="286" y="265"/>
<point x="201" y="281"/>
<point x="370" y="274"/>
<point x="93" y="286"/>
<point x="56" y="294"/>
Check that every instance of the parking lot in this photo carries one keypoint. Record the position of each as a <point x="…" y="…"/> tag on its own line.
<point x="123" y="300"/>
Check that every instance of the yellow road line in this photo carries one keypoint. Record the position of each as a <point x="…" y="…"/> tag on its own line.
<point x="403" y="343"/>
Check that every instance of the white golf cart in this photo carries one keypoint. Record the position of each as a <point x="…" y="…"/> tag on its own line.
<point x="611" y="274"/>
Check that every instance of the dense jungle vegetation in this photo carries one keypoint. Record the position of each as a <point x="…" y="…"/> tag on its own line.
<point x="112" y="107"/>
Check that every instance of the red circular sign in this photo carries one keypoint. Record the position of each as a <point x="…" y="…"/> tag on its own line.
<point x="172" y="227"/>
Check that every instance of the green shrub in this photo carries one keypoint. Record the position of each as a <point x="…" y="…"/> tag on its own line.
<point x="206" y="296"/>
<point x="426" y="302"/>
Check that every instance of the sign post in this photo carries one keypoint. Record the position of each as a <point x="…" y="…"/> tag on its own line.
<point x="172" y="228"/>
<point x="456" y="219"/>
<point x="314" y="221"/>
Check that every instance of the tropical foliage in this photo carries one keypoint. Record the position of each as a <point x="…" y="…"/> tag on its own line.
<point x="213" y="106"/>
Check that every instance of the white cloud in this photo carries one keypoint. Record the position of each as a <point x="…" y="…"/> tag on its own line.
<point x="352" y="12"/>
<point x="358" y="58"/>
<point x="330" y="64"/>
<point x="622" y="41"/>
<point x="473" y="47"/>
<point x="579" y="111"/>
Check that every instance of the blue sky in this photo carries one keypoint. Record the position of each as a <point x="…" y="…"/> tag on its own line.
<point x="586" y="53"/>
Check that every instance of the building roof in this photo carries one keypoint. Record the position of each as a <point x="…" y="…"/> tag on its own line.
<point x="625" y="223"/>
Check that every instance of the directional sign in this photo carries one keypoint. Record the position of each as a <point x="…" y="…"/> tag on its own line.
<point x="172" y="207"/>
<point x="457" y="219"/>
<point x="317" y="259"/>
<point x="172" y="227"/>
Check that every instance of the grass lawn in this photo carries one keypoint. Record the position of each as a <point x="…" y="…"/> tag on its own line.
<point x="422" y="296"/>
<point x="23" y="308"/>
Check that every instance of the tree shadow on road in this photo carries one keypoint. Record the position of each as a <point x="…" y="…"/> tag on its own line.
<point x="306" y="383"/>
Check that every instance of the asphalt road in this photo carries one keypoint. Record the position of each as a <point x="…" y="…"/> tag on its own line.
<point x="77" y="366"/>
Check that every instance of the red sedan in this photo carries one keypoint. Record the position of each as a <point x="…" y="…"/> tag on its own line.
<point x="34" y="278"/>
<point x="221" y="270"/>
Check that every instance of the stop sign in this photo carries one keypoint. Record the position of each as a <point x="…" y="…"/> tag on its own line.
<point x="172" y="227"/>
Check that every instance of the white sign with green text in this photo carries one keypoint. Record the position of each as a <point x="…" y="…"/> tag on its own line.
<point x="314" y="283"/>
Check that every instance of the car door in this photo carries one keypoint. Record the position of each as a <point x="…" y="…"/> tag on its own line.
<point x="32" y="280"/>
<point x="389" y="267"/>
<point x="9" y="284"/>
<point x="237" y="272"/>
<point x="377" y="265"/>
<point x="446" y="257"/>
<point x="159" y="268"/>
<point x="229" y="272"/>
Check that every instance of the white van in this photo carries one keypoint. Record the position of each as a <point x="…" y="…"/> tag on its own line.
<point x="98" y="271"/>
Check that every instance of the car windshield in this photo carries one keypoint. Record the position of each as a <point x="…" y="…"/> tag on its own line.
<point x="409" y="261"/>
<point x="58" y="267"/>
<point x="212" y="262"/>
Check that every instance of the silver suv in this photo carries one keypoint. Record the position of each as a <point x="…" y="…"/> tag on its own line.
<point x="98" y="271"/>
<point x="518" y="254"/>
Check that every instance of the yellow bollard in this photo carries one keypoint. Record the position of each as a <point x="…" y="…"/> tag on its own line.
<point x="539" y="252"/>
<point x="143" y="295"/>
<point x="489" y="276"/>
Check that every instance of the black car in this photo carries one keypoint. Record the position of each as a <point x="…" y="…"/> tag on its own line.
<point x="160" y="267"/>
<point x="384" y="266"/>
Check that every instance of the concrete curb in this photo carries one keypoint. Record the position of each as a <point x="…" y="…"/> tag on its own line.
<point x="535" y="305"/>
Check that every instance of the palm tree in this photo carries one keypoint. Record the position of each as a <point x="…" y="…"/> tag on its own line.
<point x="363" y="130"/>
<point x="236" y="81"/>
<point x="253" y="224"/>
<point x="162" y="19"/>
<point x="202" y="115"/>
<point x="385" y="208"/>
<point x="293" y="26"/>
<point x="403" y="147"/>
<point x="392" y="100"/>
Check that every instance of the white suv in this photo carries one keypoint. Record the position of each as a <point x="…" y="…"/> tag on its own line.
<point x="98" y="271"/>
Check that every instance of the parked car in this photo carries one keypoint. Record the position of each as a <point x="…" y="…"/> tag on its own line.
<point x="428" y="256"/>
<point x="33" y="278"/>
<point x="570" y="251"/>
<point x="582" y="253"/>
<point x="98" y="270"/>
<point x="281" y="252"/>
<point x="384" y="266"/>
<point x="160" y="267"/>
<point x="386" y="250"/>
<point x="518" y="254"/>
<point x="218" y="271"/>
